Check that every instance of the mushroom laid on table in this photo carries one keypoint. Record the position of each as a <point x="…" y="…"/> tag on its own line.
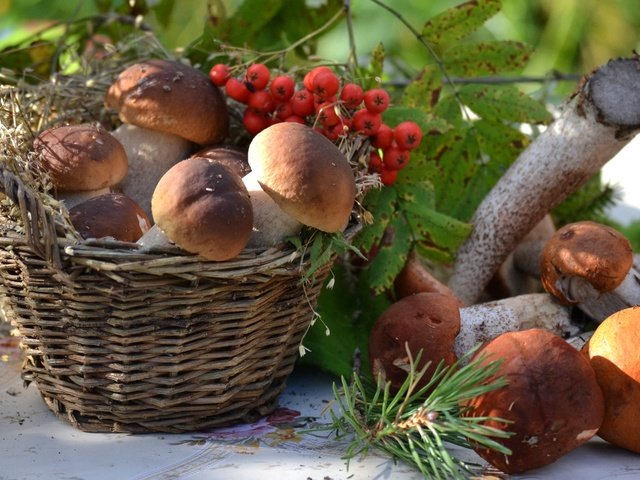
<point x="167" y="108"/>
<point x="83" y="161"/>
<point x="298" y="177"/>
<point x="203" y="207"/>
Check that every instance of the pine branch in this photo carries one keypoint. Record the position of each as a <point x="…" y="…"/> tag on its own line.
<point x="419" y="426"/>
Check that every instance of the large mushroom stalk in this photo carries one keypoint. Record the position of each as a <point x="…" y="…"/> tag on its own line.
<point x="596" y="123"/>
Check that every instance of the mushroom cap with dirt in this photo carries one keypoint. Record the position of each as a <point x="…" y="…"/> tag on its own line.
<point x="552" y="402"/>
<point x="170" y="97"/>
<point x="204" y="208"/>
<point x="110" y="215"/>
<point x="305" y="174"/>
<point x="424" y="323"/>
<point x="83" y="158"/>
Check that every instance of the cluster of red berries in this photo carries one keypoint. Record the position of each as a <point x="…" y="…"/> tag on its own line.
<point x="332" y="107"/>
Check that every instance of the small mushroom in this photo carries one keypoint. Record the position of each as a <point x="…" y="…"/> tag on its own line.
<point x="167" y="109"/>
<point x="425" y="324"/>
<point x="204" y="208"/>
<point x="83" y="161"/>
<point x="111" y="215"/>
<point x="552" y="402"/>
<point x="305" y="174"/>
<point x="591" y="265"/>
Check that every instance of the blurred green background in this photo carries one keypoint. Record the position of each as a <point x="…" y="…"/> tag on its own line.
<point x="569" y="36"/>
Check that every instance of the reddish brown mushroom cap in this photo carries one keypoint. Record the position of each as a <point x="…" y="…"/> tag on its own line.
<point x="596" y="253"/>
<point x="110" y="215"/>
<point x="170" y="97"/>
<point x="424" y="322"/>
<point x="81" y="157"/>
<point x="552" y="399"/>
<point x="204" y="208"/>
<point x="305" y="174"/>
<point x="233" y="157"/>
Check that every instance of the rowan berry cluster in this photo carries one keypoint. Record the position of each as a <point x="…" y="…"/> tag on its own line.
<point x="333" y="107"/>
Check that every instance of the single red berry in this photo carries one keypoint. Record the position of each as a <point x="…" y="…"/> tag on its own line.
<point x="302" y="103"/>
<point x="258" y="76"/>
<point x="383" y="137"/>
<point x="332" y="132"/>
<point x="237" y="90"/>
<point x="283" y="110"/>
<point x="282" y="88"/>
<point x="261" y="101"/>
<point x="375" y="162"/>
<point x="254" y="122"/>
<point x="325" y="84"/>
<point x="376" y="100"/>
<point x="395" y="158"/>
<point x="407" y="135"/>
<point x="327" y="115"/>
<point x="366" y="122"/>
<point x="295" y="118"/>
<point x="308" y="78"/>
<point x="388" y="176"/>
<point x="219" y="74"/>
<point x="352" y="95"/>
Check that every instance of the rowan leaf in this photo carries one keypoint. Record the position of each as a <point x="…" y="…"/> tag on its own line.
<point x="382" y="201"/>
<point x="459" y="22"/>
<point x="424" y="91"/>
<point x="504" y="103"/>
<point x="486" y="58"/>
<point x="430" y="124"/>
<point x="391" y="256"/>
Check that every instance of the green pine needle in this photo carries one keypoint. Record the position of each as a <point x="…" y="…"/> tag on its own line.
<point x="418" y="425"/>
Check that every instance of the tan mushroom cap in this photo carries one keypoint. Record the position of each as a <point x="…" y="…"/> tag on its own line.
<point x="110" y="215"/>
<point x="204" y="208"/>
<point x="81" y="157"/>
<point x="229" y="155"/>
<point x="305" y="174"/>
<point x="594" y="252"/>
<point x="170" y="97"/>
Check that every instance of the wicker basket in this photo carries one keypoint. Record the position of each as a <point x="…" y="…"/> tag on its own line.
<point x="121" y="340"/>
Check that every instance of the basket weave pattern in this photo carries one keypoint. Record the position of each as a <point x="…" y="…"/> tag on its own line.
<point x="121" y="340"/>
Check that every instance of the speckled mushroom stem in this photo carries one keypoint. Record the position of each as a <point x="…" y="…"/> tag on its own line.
<point x="483" y="321"/>
<point x="596" y="123"/>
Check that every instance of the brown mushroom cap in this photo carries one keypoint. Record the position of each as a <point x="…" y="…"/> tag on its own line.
<point x="615" y="357"/>
<point x="170" y="97"/>
<point x="552" y="399"/>
<point x="591" y="251"/>
<point x="204" y="208"/>
<point x="305" y="174"/>
<point x="81" y="157"/>
<point x="110" y="215"/>
<point x="427" y="322"/>
<point x="229" y="155"/>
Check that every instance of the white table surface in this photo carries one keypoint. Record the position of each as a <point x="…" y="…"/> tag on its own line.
<point x="34" y="444"/>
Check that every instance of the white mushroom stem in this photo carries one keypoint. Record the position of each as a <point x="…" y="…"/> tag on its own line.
<point x="484" y="321"/>
<point x="596" y="123"/>
<point x="151" y="154"/>
<point x="599" y="306"/>
<point x="271" y="225"/>
<point x="154" y="238"/>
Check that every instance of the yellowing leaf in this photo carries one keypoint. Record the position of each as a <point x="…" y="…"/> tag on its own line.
<point x="486" y="58"/>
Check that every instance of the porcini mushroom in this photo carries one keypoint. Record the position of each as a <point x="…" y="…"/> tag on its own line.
<point x="590" y="265"/>
<point x="595" y="124"/>
<point x="111" y="215"/>
<point x="552" y="403"/>
<point x="169" y="107"/>
<point x="83" y="161"/>
<point x="305" y="174"/>
<point x="204" y="208"/>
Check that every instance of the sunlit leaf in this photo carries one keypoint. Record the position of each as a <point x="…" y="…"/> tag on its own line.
<point x="391" y="256"/>
<point x="383" y="202"/>
<point x="504" y="103"/>
<point x="459" y="22"/>
<point x="486" y="58"/>
<point x="424" y="91"/>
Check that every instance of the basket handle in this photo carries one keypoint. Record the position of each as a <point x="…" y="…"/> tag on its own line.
<point x="39" y="224"/>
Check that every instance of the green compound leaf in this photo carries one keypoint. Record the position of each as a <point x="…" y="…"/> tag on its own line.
<point x="486" y="58"/>
<point x="391" y="256"/>
<point x="430" y="124"/>
<point x="424" y="91"/>
<point x="504" y="103"/>
<point x="382" y="201"/>
<point x="459" y="22"/>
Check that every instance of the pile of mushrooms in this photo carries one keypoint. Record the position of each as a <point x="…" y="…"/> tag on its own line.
<point x="165" y="177"/>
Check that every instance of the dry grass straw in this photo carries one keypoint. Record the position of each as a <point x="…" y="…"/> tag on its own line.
<point x="117" y="339"/>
